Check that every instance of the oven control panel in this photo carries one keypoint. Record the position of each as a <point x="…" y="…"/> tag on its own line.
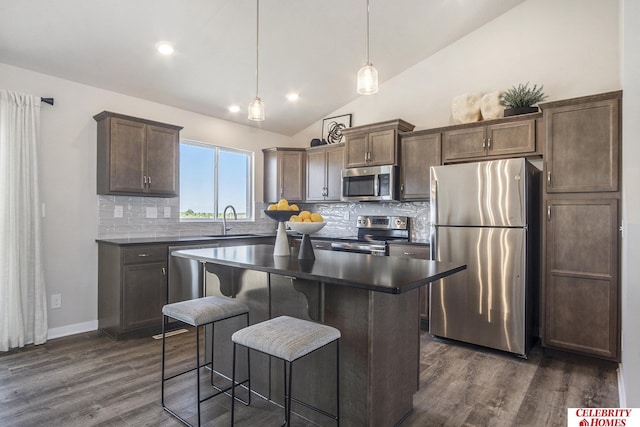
<point x="383" y="222"/>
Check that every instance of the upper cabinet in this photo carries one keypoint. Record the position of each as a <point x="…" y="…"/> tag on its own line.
<point x="324" y="172"/>
<point x="582" y="144"/>
<point x="374" y="144"/>
<point x="514" y="136"/>
<point x="284" y="174"/>
<point x="418" y="152"/>
<point x="137" y="156"/>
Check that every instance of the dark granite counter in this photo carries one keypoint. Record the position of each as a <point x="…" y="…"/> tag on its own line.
<point x="392" y="275"/>
<point x="180" y="239"/>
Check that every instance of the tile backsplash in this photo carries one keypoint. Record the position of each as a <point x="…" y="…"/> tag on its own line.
<point x="129" y="217"/>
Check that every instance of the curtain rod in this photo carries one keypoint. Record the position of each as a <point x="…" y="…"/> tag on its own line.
<point x="47" y="100"/>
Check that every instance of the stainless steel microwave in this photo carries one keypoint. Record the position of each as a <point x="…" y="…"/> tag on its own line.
<point x="369" y="183"/>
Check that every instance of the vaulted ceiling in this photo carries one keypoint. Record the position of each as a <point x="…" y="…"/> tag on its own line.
<point x="312" y="47"/>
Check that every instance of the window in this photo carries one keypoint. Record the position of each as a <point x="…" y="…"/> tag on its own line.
<point x="212" y="177"/>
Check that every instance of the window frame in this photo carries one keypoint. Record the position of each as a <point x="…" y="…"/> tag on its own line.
<point x="217" y="214"/>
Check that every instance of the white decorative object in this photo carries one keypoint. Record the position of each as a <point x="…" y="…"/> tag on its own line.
<point x="490" y="106"/>
<point x="465" y="108"/>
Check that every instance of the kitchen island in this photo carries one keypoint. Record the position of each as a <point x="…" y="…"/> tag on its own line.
<point x="372" y="300"/>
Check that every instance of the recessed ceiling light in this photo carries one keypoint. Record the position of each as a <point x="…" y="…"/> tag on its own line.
<point x="165" y="48"/>
<point x="293" y="96"/>
<point x="234" y="108"/>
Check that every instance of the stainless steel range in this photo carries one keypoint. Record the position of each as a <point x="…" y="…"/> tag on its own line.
<point x="373" y="234"/>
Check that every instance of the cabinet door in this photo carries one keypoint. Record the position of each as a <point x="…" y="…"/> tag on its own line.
<point x="162" y="160"/>
<point x="316" y="170"/>
<point x="418" y="153"/>
<point x="335" y="164"/>
<point x="582" y="147"/>
<point x="581" y="293"/>
<point x="356" y="150"/>
<point x="292" y="175"/>
<point x="382" y="147"/>
<point x="464" y="143"/>
<point x="511" y="138"/>
<point x="143" y="294"/>
<point x="127" y="156"/>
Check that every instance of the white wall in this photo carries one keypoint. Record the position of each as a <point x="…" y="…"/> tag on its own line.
<point x="68" y="175"/>
<point x="630" y="368"/>
<point x="569" y="46"/>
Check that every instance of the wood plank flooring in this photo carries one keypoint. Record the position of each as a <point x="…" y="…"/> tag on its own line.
<point x="90" y="380"/>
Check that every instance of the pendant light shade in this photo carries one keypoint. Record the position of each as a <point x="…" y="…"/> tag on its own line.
<point x="368" y="75"/>
<point x="256" y="110"/>
<point x="256" y="107"/>
<point x="367" y="80"/>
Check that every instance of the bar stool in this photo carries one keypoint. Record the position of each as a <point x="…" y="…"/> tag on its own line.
<point x="201" y="312"/>
<point x="288" y="339"/>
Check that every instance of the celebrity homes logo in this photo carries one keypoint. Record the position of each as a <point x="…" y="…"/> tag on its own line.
<point x="603" y="417"/>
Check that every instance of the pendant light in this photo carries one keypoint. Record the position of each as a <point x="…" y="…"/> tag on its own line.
<point x="256" y="107"/>
<point x="368" y="75"/>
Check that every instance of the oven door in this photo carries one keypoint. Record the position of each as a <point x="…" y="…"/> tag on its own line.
<point x="360" y="247"/>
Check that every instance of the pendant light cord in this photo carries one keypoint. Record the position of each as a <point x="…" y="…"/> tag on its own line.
<point x="258" y="41"/>
<point x="368" y="32"/>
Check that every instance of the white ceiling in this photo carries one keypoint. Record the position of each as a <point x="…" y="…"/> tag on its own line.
<point x="314" y="47"/>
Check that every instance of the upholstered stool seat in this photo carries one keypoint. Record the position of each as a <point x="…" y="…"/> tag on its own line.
<point x="289" y="339"/>
<point x="201" y="312"/>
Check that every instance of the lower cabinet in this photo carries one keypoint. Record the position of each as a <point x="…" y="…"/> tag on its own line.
<point x="580" y="292"/>
<point x="132" y="287"/>
<point x="421" y="252"/>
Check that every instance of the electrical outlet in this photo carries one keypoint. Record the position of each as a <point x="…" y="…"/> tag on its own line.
<point x="56" y="301"/>
<point x="152" y="212"/>
<point x="118" y="211"/>
<point x="345" y="216"/>
<point x="167" y="211"/>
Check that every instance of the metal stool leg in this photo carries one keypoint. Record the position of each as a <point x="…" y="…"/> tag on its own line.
<point x="164" y="318"/>
<point x="198" y="368"/>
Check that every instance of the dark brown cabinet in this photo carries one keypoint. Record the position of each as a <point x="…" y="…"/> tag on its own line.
<point x="581" y="291"/>
<point x="137" y="156"/>
<point x="418" y="152"/>
<point x="420" y="252"/>
<point x="490" y="140"/>
<point x="374" y="144"/>
<point x="284" y="174"/>
<point x="324" y="172"/>
<point x="132" y="287"/>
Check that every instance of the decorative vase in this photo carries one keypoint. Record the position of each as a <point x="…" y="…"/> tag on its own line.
<point x="490" y="106"/>
<point x="519" y="110"/>
<point x="465" y="108"/>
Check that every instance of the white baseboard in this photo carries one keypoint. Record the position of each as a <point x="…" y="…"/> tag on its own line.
<point x="76" y="328"/>
<point x="622" y="395"/>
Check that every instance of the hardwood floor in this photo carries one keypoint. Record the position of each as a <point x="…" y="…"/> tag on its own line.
<point x="89" y="379"/>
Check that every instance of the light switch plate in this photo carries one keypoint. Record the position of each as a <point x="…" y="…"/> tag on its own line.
<point x="167" y="211"/>
<point x="152" y="212"/>
<point x="118" y="211"/>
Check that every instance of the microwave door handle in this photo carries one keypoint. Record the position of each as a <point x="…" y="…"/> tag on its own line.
<point x="376" y="185"/>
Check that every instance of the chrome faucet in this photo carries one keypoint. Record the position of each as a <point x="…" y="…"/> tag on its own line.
<point x="224" y="218"/>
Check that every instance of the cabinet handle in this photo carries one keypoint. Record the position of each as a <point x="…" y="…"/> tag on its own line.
<point x="143" y="255"/>
<point x="409" y="253"/>
<point x="144" y="181"/>
<point x="281" y="191"/>
<point x="402" y="188"/>
<point x="484" y="143"/>
<point x="489" y="143"/>
<point x="149" y="181"/>
<point x="548" y="213"/>
<point x="549" y="178"/>
<point x="164" y="271"/>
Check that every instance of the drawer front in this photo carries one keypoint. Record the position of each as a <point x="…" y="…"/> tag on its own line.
<point x="411" y="251"/>
<point x="145" y="254"/>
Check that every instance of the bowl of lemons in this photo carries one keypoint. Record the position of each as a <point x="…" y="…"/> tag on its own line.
<point x="282" y="210"/>
<point x="306" y="222"/>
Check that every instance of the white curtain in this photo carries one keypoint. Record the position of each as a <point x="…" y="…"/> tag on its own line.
<point x="23" y="299"/>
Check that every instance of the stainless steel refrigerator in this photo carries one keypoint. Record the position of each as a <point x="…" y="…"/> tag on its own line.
<point x="486" y="215"/>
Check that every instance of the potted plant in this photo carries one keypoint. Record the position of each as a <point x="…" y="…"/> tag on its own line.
<point x="520" y="100"/>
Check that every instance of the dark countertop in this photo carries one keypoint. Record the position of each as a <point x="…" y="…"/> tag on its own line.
<point x="375" y="273"/>
<point x="174" y="239"/>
